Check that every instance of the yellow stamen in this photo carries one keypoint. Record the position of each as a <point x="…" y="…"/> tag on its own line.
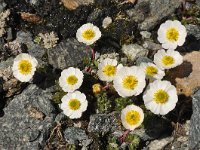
<point x="168" y="60"/>
<point x="109" y="70"/>
<point x="74" y="104"/>
<point x="25" y="67"/>
<point x="88" y="34"/>
<point x="172" y="34"/>
<point x="132" y="117"/>
<point x="151" y="71"/>
<point x="71" y="80"/>
<point x="130" y="82"/>
<point x="161" y="97"/>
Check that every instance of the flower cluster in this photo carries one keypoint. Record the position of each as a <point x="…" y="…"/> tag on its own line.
<point x="160" y="96"/>
<point x="74" y="103"/>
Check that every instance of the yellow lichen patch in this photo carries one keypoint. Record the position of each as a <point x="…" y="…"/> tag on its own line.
<point x="172" y="34"/>
<point x="130" y="82"/>
<point x="74" y="104"/>
<point x="25" y="67"/>
<point x="88" y="34"/>
<point x="132" y="117"/>
<point x="168" y="60"/>
<point x="109" y="70"/>
<point x="151" y="70"/>
<point x="71" y="80"/>
<point x="161" y="97"/>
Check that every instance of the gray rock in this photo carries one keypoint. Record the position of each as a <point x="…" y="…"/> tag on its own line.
<point x="194" y="132"/>
<point x="104" y="123"/>
<point x="2" y="6"/>
<point x="150" y="45"/>
<point x="159" y="9"/>
<point x="160" y="143"/>
<point x="155" y="128"/>
<point x="60" y="117"/>
<point x="85" y="2"/>
<point x="27" y="121"/>
<point x="76" y="136"/>
<point x="33" y="2"/>
<point x="68" y="53"/>
<point x="134" y="51"/>
<point x="94" y="15"/>
<point x="6" y="64"/>
<point x="193" y="30"/>
<point x="33" y="49"/>
<point x="198" y="2"/>
<point x="9" y="34"/>
<point x="139" y="12"/>
<point x="142" y="60"/>
<point x="150" y="12"/>
<point x="145" y="34"/>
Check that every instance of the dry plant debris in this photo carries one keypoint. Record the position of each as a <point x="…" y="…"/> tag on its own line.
<point x="32" y="18"/>
<point x="70" y="4"/>
<point x="35" y="113"/>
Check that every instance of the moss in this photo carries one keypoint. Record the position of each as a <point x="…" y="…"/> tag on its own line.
<point x="192" y="16"/>
<point x="112" y="143"/>
<point x="133" y="141"/>
<point x="121" y="103"/>
<point x="42" y="69"/>
<point x="123" y="30"/>
<point x="57" y="97"/>
<point x="87" y="61"/>
<point x="58" y="94"/>
<point x="37" y="39"/>
<point x="70" y="147"/>
<point x="103" y="103"/>
<point x="126" y="39"/>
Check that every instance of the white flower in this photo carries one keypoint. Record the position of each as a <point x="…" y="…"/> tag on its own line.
<point x="24" y="67"/>
<point x="129" y="81"/>
<point x="152" y="71"/>
<point x="171" y="34"/>
<point x="167" y="59"/>
<point x="74" y="104"/>
<point x="71" y="79"/>
<point x="107" y="69"/>
<point x="88" y="34"/>
<point x="160" y="97"/>
<point x="132" y="117"/>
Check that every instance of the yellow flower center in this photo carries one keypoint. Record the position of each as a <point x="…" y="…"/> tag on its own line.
<point x="71" y="80"/>
<point x="132" y="117"/>
<point x="74" y="104"/>
<point x="25" y="67"/>
<point x="109" y="70"/>
<point x="172" y="34"/>
<point x="161" y="97"/>
<point x="88" y="34"/>
<point x="168" y="60"/>
<point x="130" y="82"/>
<point x="151" y="71"/>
